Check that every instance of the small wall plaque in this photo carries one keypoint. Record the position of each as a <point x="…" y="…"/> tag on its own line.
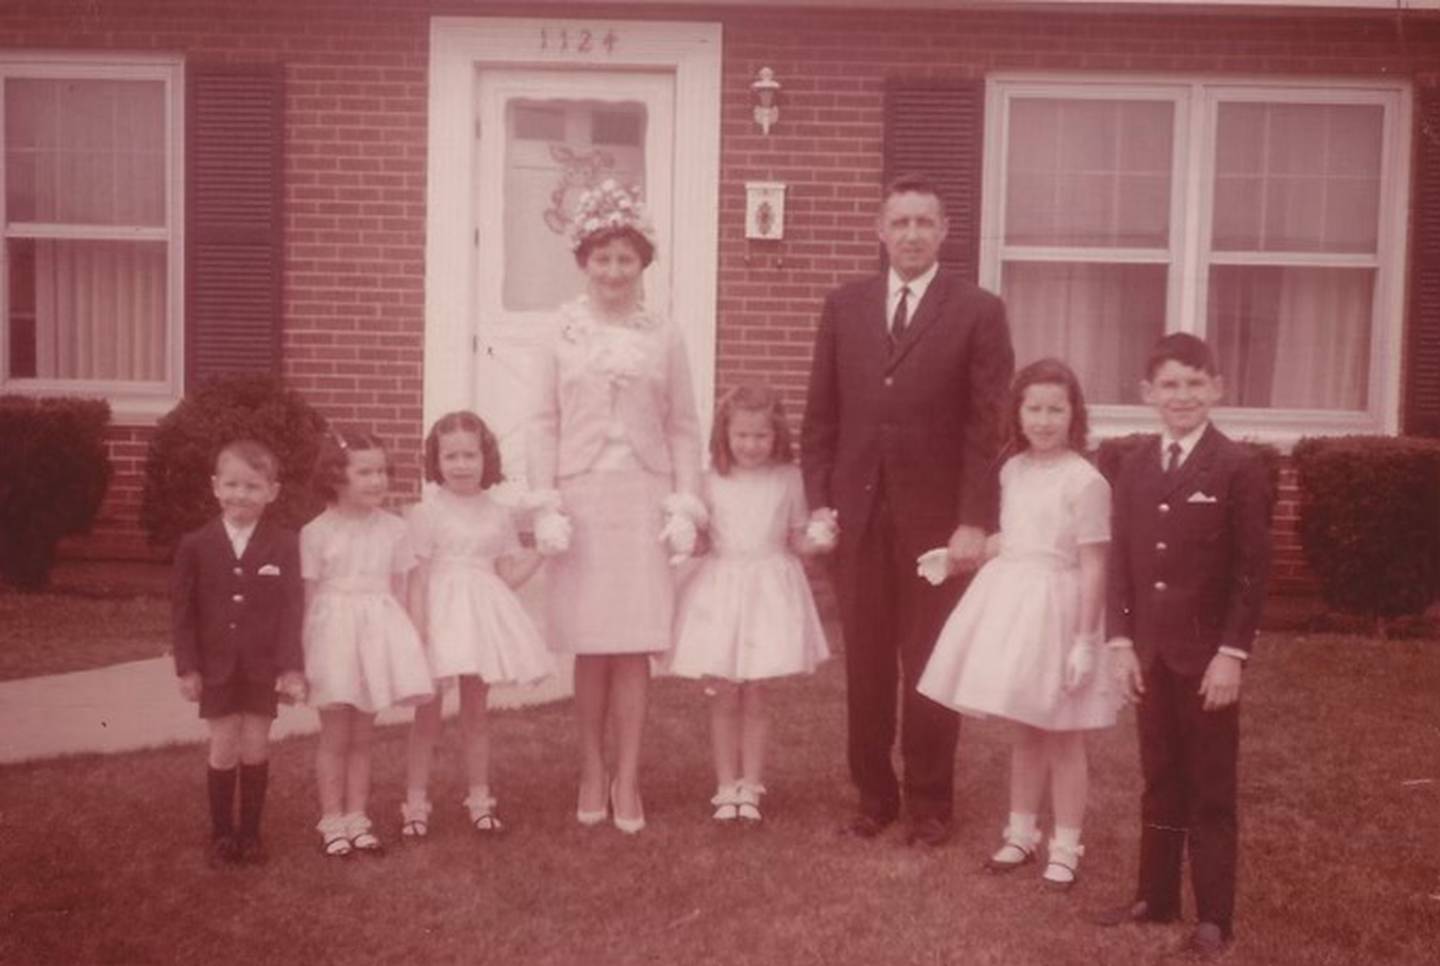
<point x="765" y="210"/>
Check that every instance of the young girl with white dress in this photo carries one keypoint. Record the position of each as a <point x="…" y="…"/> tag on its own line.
<point x="1023" y="642"/>
<point x="747" y="614"/>
<point x="362" y="654"/>
<point x="475" y="629"/>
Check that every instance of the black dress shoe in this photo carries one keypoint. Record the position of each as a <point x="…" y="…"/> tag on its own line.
<point x="1132" y="912"/>
<point x="930" y="833"/>
<point x="865" y="826"/>
<point x="223" y="851"/>
<point x="249" y="850"/>
<point x="1206" y="941"/>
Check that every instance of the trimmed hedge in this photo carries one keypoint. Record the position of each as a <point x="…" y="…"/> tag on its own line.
<point x="181" y="459"/>
<point x="1370" y="521"/>
<point x="54" y="470"/>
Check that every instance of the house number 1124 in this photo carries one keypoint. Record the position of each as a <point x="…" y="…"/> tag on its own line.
<point x="581" y="41"/>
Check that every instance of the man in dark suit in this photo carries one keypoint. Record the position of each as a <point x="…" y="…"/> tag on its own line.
<point x="1188" y="567"/>
<point x="237" y="604"/>
<point x="899" y="446"/>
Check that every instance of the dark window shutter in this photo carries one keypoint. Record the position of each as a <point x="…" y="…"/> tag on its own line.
<point x="234" y="133"/>
<point x="937" y="129"/>
<point x="1422" y="382"/>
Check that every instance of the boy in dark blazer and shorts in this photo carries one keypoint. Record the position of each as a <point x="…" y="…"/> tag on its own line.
<point x="1189" y="562"/>
<point x="237" y="602"/>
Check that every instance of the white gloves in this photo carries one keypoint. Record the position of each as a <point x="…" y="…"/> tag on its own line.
<point x="684" y="516"/>
<point x="1080" y="662"/>
<point x="934" y="565"/>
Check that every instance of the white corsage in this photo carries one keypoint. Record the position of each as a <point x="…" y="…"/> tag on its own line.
<point x="619" y="355"/>
<point x="685" y="514"/>
<point x="552" y="526"/>
<point x="552" y="532"/>
<point x="822" y="531"/>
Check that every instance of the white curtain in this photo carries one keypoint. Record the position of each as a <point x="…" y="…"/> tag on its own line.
<point x="89" y="153"/>
<point x="1101" y="319"/>
<point x="1089" y="173"/>
<point x="100" y="311"/>
<point x="1293" y="338"/>
<point x="1297" y="177"/>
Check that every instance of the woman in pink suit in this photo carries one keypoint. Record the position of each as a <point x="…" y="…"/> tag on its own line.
<point x="615" y="457"/>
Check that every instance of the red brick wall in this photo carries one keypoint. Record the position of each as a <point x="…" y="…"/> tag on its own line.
<point x="356" y="137"/>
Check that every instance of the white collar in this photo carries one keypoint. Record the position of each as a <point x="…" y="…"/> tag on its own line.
<point x="917" y="285"/>
<point x="1187" y="442"/>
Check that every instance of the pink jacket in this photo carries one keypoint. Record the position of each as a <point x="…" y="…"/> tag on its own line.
<point x="646" y="373"/>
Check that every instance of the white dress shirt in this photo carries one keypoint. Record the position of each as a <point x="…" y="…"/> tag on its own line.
<point x="917" y="287"/>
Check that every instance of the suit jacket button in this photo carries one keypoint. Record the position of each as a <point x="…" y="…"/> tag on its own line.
<point x="889" y="380"/>
<point x="1162" y="545"/>
<point x="1161" y="585"/>
<point x="238" y="598"/>
<point x="1164" y="508"/>
<point x="233" y="626"/>
<point x="239" y="571"/>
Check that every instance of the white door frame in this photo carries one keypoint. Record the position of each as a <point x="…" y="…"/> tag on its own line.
<point x="460" y="45"/>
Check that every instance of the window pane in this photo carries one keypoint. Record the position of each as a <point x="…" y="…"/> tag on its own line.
<point x="1292" y="338"/>
<point x="1297" y="177"/>
<point x="85" y="152"/>
<point x="554" y="150"/>
<point x="1102" y="319"/>
<point x="1089" y="173"/>
<point x="87" y="310"/>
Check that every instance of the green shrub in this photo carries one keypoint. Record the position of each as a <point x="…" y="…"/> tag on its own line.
<point x="181" y="458"/>
<point x="1370" y="521"/>
<point x="1112" y="452"/>
<point x="54" y="469"/>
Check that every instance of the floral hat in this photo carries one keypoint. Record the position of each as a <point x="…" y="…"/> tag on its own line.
<point x="607" y="206"/>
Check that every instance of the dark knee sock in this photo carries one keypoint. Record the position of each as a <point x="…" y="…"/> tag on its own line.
<point x="253" y="781"/>
<point x="221" y="784"/>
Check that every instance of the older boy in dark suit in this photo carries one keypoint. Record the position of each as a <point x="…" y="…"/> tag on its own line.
<point x="237" y="604"/>
<point x="1188" y="568"/>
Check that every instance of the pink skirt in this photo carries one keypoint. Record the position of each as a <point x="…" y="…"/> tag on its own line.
<point x="613" y="591"/>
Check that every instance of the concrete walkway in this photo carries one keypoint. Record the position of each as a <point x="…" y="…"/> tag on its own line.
<point x="130" y="706"/>
<point x="136" y="705"/>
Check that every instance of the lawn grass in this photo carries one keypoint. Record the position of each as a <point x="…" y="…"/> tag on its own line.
<point x="55" y="633"/>
<point x="101" y="858"/>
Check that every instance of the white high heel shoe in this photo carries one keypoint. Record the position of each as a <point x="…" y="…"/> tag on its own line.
<point x="590" y="819"/>
<point x="630" y="826"/>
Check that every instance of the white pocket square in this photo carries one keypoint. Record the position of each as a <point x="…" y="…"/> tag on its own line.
<point x="1199" y="497"/>
<point x="269" y="570"/>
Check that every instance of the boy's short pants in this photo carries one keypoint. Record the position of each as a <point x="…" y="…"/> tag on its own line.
<point x="238" y="696"/>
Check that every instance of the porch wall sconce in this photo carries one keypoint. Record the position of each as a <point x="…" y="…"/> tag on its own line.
<point x="766" y="89"/>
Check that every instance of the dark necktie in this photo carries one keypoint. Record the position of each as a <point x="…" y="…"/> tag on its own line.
<point x="902" y="316"/>
<point x="1172" y="459"/>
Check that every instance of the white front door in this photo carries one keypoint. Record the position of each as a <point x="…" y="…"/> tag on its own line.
<point x="544" y="135"/>
<point x="523" y="112"/>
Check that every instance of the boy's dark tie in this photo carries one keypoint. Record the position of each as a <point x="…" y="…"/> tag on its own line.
<point x="902" y="316"/>
<point x="1172" y="459"/>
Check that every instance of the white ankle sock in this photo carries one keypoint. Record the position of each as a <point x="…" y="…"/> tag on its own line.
<point x="1067" y="837"/>
<point x="1022" y="825"/>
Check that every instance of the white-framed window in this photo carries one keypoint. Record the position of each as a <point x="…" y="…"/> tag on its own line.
<point x="1266" y="216"/>
<point x="91" y="214"/>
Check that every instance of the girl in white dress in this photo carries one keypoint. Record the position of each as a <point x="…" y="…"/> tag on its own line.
<point x="361" y="651"/>
<point x="1023" y="641"/>
<point x="747" y="614"/>
<point x="475" y="629"/>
